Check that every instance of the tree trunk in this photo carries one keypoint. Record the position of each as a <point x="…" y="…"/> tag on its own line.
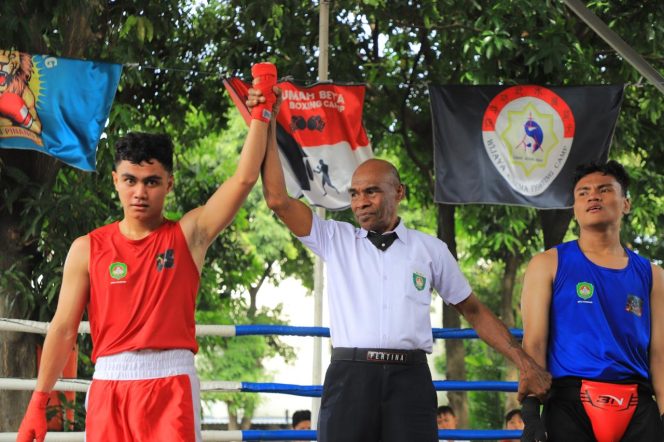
<point x="554" y="225"/>
<point x="17" y="350"/>
<point x="253" y="291"/>
<point x="233" y="424"/>
<point x="455" y="353"/>
<point x="247" y="417"/>
<point x="246" y="422"/>
<point x="512" y="263"/>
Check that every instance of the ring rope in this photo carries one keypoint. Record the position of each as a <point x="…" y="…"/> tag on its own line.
<point x="226" y="436"/>
<point x="227" y="331"/>
<point x="82" y="385"/>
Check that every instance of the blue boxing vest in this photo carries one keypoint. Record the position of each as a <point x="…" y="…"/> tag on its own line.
<point x="599" y="318"/>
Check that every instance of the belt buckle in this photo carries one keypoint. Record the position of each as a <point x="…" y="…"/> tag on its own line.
<point x="386" y="356"/>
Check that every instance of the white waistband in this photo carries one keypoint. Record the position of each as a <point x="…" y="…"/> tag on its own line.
<point x="144" y="364"/>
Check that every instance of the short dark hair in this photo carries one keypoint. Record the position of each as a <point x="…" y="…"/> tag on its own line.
<point x="510" y="414"/>
<point x="137" y="147"/>
<point x="445" y="409"/>
<point x="301" y="415"/>
<point x="613" y="168"/>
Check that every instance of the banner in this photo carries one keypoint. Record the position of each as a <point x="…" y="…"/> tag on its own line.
<point x="518" y="145"/>
<point x="55" y="105"/>
<point x="320" y="135"/>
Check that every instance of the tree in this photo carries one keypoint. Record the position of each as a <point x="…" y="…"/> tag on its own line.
<point x="38" y="195"/>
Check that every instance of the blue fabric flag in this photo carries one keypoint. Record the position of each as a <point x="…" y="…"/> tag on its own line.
<point x="55" y="105"/>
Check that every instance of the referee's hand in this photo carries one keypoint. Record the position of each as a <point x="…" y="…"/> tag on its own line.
<point x="533" y="380"/>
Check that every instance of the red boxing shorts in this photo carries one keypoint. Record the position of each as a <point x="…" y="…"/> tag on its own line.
<point x="147" y="396"/>
<point x="609" y="407"/>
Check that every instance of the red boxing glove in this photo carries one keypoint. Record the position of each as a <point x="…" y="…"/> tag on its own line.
<point x="33" y="425"/>
<point x="265" y="77"/>
<point x="13" y="107"/>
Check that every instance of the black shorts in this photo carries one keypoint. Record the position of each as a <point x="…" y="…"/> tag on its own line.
<point x="371" y="402"/>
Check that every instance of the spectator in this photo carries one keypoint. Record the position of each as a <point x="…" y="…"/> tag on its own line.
<point x="513" y="421"/>
<point x="302" y="420"/>
<point x="446" y="420"/>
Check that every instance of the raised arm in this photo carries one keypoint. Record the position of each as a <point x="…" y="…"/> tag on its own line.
<point x="294" y="213"/>
<point x="61" y="337"/>
<point x="533" y="378"/>
<point x="657" y="336"/>
<point x="202" y="225"/>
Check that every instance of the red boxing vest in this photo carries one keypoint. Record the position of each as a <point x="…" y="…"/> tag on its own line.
<point x="142" y="292"/>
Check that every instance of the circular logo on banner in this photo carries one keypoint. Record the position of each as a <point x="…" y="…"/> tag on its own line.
<point x="528" y="132"/>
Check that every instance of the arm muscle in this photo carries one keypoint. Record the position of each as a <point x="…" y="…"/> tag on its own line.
<point x="536" y="302"/>
<point x="62" y="333"/>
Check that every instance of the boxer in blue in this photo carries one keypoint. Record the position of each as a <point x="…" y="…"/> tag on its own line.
<point x="589" y="309"/>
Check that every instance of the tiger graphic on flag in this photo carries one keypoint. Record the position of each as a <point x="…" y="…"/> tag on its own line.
<point x="17" y="100"/>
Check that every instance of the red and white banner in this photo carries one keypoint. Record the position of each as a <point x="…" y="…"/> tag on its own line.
<point x="320" y="135"/>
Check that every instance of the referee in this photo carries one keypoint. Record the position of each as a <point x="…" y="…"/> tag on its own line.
<point x="381" y="275"/>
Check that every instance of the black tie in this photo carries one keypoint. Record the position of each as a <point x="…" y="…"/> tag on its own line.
<point x="382" y="242"/>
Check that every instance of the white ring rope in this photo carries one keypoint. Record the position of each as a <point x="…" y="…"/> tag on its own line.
<point x="211" y="436"/>
<point x="82" y="385"/>
<point x="25" y="326"/>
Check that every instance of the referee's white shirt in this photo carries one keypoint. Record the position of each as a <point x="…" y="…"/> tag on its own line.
<point x="382" y="299"/>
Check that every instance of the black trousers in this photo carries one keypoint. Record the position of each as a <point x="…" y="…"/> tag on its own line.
<point x="375" y="402"/>
<point x="566" y="419"/>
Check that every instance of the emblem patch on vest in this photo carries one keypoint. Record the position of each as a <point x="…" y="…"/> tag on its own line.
<point x="118" y="270"/>
<point x="419" y="281"/>
<point x="165" y="260"/>
<point x="585" y="290"/>
<point x="634" y="305"/>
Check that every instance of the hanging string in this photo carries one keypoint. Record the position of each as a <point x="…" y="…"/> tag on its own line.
<point x="159" y="69"/>
<point x="224" y="73"/>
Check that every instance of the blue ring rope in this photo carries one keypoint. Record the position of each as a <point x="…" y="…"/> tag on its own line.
<point x="316" y="390"/>
<point x="506" y="386"/>
<point x="442" y="434"/>
<point x="289" y="330"/>
<point x="295" y="390"/>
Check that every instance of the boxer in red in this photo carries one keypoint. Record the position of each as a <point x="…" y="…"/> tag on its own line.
<point x="139" y="278"/>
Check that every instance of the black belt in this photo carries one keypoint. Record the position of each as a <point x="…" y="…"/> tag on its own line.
<point x="379" y="355"/>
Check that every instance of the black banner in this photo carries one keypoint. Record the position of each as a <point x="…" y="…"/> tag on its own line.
<point x="518" y="145"/>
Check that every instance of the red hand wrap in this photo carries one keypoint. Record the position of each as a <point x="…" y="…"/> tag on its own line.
<point x="265" y="77"/>
<point x="33" y="425"/>
<point x="13" y="106"/>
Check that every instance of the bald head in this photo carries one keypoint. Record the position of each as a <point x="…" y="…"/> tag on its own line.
<point x="380" y="167"/>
